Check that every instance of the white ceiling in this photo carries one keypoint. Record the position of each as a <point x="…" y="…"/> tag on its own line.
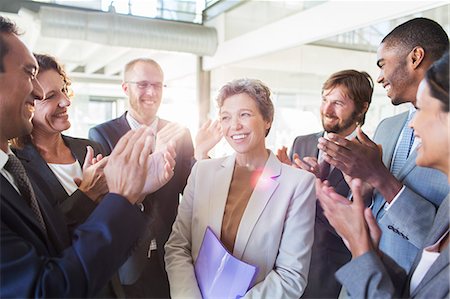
<point x="287" y="40"/>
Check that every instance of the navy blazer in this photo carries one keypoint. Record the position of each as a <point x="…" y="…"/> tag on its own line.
<point x="165" y="201"/>
<point x="329" y="252"/>
<point x="36" y="264"/>
<point x="76" y="207"/>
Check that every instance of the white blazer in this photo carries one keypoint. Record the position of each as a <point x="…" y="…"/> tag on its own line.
<point x="276" y="230"/>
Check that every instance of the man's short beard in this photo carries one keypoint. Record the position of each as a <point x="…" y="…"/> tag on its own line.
<point x="338" y="129"/>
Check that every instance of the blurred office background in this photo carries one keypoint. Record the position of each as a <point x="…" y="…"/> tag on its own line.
<point x="293" y="46"/>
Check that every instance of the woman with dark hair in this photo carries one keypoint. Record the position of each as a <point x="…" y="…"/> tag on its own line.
<point x="371" y="274"/>
<point x="262" y="210"/>
<point x="69" y="170"/>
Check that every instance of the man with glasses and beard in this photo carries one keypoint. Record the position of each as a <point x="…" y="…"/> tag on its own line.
<point x="144" y="275"/>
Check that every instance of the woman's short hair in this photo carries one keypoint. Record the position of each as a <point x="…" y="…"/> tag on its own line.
<point x="255" y="89"/>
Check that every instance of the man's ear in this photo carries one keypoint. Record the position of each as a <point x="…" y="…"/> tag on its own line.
<point x="416" y="56"/>
<point x="365" y="107"/>
<point x="125" y="88"/>
<point x="363" y="111"/>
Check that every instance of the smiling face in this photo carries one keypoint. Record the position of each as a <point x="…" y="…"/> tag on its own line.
<point x="395" y="76"/>
<point x="243" y="125"/>
<point x="51" y="113"/>
<point x="431" y="125"/>
<point x="143" y="85"/>
<point x="338" y="111"/>
<point x="18" y="89"/>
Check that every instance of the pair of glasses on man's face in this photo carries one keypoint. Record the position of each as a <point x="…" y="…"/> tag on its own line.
<point x="144" y="85"/>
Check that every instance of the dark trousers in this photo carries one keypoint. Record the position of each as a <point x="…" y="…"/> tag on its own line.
<point x="153" y="282"/>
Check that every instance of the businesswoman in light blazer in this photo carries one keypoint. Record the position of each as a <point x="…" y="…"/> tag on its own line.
<point x="262" y="210"/>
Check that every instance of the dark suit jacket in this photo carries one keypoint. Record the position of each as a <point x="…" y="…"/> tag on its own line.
<point x="35" y="264"/>
<point x="164" y="201"/>
<point x="368" y="276"/>
<point x="328" y="252"/>
<point x="76" y="207"/>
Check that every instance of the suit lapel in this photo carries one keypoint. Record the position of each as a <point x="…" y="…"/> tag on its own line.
<point x="121" y="127"/>
<point x="439" y="228"/>
<point x="441" y="223"/>
<point x="261" y="195"/>
<point x="221" y="182"/>
<point x="21" y="206"/>
<point x="316" y="142"/>
<point x="439" y="265"/>
<point x="410" y="164"/>
<point x="389" y="142"/>
<point x="57" y="232"/>
<point x="33" y="161"/>
<point x="79" y="153"/>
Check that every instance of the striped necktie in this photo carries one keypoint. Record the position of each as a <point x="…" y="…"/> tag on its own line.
<point x="404" y="147"/>
<point x="16" y="169"/>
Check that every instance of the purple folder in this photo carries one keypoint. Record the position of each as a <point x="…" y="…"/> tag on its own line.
<point x="219" y="274"/>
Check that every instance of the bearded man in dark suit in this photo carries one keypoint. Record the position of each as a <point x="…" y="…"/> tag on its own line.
<point x="346" y="96"/>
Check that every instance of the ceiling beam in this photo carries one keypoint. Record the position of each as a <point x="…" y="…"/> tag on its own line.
<point x="308" y="26"/>
<point x="102" y="57"/>
<point x="117" y="65"/>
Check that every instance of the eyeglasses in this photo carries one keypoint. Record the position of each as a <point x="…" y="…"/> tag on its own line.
<point x="144" y="85"/>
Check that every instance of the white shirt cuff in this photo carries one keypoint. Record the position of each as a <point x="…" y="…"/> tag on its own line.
<point x="388" y="205"/>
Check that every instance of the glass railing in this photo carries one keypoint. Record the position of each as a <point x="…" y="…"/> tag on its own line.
<point x="174" y="10"/>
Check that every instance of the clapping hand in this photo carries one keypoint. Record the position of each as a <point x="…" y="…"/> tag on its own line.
<point x="93" y="183"/>
<point x="361" y="158"/>
<point x="309" y="164"/>
<point x="207" y="137"/>
<point x="128" y="165"/>
<point x="358" y="158"/>
<point x="170" y="133"/>
<point x="160" y="168"/>
<point x="283" y="156"/>
<point x="352" y="220"/>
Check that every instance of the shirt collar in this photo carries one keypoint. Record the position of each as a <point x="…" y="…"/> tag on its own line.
<point x="134" y="124"/>
<point x="349" y="137"/>
<point x="4" y="157"/>
<point x="411" y="110"/>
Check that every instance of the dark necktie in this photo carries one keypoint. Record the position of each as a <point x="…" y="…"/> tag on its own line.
<point x="16" y="169"/>
<point x="324" y="167"/>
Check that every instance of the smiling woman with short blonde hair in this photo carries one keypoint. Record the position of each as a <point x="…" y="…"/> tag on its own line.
<point x="262" y="210"/>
